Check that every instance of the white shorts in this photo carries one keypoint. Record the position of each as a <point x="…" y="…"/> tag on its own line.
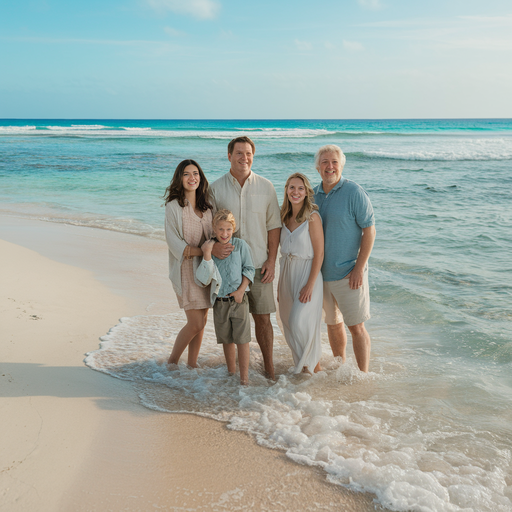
<point x="341" y="304"/>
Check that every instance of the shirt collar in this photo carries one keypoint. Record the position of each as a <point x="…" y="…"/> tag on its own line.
<point x="234" y="180"/>
<point x="333" y="189"/>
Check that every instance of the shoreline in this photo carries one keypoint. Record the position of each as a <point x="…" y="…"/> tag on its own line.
<point x="78" y="440"/>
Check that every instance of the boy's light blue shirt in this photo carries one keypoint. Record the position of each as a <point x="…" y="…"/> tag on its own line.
<point x="346" y="210"/>
<point x="234" y="267"/>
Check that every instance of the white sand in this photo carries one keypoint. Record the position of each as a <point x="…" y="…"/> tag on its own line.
<point x="74" y="439"/>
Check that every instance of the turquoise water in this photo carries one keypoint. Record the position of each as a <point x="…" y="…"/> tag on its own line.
<point x="434" y="414"/>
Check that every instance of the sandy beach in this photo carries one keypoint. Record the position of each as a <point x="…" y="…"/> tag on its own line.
<point x="75" y="439"/>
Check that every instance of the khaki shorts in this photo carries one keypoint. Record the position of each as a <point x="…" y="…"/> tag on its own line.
<point x="341" y="304"/>
<point x="261" y="296"/>
<point x="232" y="321"/>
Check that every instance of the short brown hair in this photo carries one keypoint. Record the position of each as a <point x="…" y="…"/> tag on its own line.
<point x="224" y="215"/>
<point x="243" y="140"/>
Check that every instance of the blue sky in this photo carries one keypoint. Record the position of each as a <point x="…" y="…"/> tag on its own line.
<point x="214" y="59"/>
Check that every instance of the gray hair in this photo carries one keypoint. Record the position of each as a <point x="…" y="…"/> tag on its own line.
<point x="330" y="148"/>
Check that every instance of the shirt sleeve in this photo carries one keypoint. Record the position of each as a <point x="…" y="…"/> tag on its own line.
<point x="248" y="269"/>
<point x="205" y="272"/>
<point x="173" y="237"/>
<point x="211" y="191"/>
<point x="273" y="211"/>
<point x="363" y="209"/>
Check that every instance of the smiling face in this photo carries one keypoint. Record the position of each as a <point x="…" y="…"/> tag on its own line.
<point x="191" y="178"/>
<point x="223" y="230"/>
<point x="296" y="191"/>
<point x="241" y="159"/>
<point x="330" y="169"/>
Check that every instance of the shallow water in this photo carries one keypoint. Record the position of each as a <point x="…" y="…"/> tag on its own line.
<point x="429" y="427"/>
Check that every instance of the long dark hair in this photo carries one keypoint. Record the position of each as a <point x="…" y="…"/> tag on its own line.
<point x="176" y="191"/>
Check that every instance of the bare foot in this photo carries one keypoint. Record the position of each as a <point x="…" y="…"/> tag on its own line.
<point x="318" y="368"/>
<point x="269" y="376"/>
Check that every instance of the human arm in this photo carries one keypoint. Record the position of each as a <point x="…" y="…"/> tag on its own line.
<point x="238" y="294"/>
<point x="222" y="251"/>
<point x="316" y="234"/>
<point x="268" y="269"/>
<point x="206" y="249"/>
<point x="365" y="249"/>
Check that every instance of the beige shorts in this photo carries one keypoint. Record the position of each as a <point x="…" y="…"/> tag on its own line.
<point x="341" y="304"/>
<point x="232" y="321"/>
<point x="261" y="296"/>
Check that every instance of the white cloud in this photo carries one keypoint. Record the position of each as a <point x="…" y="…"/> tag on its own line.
<point x="202" y="9"/>
<point x="478" y="44"/>
<point x="370" y="4"/>
<point x="303" y="46"/>
<point x="352" y="45"/>
<point x="173" y="32"/>
<point x="500" y="21"/>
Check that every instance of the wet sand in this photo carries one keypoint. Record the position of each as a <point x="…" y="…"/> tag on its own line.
<point x="75" y="439"/>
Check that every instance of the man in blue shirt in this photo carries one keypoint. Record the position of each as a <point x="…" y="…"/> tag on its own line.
<point x="349" y="233"/>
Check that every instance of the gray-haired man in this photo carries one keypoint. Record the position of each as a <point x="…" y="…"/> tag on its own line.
<point x="349" y="233"/>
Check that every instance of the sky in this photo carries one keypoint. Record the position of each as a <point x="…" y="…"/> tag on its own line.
<point x="265" y="59"/>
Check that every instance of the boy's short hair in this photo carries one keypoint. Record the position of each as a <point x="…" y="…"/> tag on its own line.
<point x="224" y="215"/>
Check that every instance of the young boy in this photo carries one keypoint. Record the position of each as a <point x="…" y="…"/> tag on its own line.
<point x="231" y="306"/>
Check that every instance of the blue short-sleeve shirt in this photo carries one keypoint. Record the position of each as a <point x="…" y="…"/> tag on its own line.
<point x="346" y="210"/>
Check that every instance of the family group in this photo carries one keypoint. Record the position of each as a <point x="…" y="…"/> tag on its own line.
<point x="223" y="242"/>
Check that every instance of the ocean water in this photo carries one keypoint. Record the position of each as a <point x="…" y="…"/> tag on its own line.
<point x="430" y="427"/>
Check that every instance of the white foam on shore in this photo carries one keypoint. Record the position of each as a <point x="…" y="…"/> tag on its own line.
<point x="62" y="215"/>
<point x="410" y="460"/>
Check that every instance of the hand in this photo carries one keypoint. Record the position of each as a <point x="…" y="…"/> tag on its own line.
<point x="268" y="271"/>
<point x="207" y="249"/>
<point x="222" y="251"/>
<point x="355" y="278"/>
<point x="305" y="294"/>
<point x="238" y="295"/>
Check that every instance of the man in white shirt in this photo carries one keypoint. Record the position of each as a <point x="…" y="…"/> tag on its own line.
<point x="253" y="201"/>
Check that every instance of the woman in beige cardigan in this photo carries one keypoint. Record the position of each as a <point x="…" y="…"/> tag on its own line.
<point x="188" y="223"/>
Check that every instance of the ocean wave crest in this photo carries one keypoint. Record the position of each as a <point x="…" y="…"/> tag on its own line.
<point x="17" y="129"/>
<point x="436" y="156"/>
<point x="125" y="131"/>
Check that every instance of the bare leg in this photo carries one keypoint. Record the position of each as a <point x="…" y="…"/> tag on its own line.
<point x="265" y="339"/>
<point x="194" y="328"/>
<point x="195" y="344"/>
<point x="230" y="355"/>
<point x="362" y="345"/>
<point x="338" y="340"/>
<point x="243" y="363"/>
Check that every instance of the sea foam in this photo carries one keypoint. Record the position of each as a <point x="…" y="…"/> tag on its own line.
<point x="411" y="461"/>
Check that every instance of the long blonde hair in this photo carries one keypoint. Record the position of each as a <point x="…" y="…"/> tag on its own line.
<point x="307" y="208"/>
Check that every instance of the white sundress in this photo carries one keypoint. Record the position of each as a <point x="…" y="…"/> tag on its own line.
<point x="301" y="322"/>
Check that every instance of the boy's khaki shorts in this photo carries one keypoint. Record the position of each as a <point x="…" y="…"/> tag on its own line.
<point x="232" y="321"/>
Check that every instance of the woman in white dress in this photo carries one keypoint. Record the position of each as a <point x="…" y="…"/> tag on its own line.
<point x="300" y="288"/>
